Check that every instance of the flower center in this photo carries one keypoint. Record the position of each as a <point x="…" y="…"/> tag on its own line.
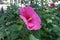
<point x="29" y="19"/>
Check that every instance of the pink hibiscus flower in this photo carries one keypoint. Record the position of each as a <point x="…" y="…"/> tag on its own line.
<point x="30" y="18"/>
<point x="52" y="5"/>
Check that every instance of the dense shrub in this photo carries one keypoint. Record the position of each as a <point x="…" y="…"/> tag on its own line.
<point x="13" y="28"/>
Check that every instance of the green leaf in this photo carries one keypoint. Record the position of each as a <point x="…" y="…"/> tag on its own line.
<point x="58" y="38"/>
<point x="32" y="37"/>
<point x="49" y="21"/>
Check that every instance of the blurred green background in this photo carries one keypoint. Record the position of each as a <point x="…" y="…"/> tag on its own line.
<point x="13" y="28"/>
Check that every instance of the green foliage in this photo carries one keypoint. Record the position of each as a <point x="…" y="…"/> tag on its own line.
<point x="10" y="23"/>
<point x="13" y="28"/>
<point x="50" y="24"/>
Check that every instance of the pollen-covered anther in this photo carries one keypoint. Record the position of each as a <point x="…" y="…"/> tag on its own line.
<point x="29" y="19"/>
